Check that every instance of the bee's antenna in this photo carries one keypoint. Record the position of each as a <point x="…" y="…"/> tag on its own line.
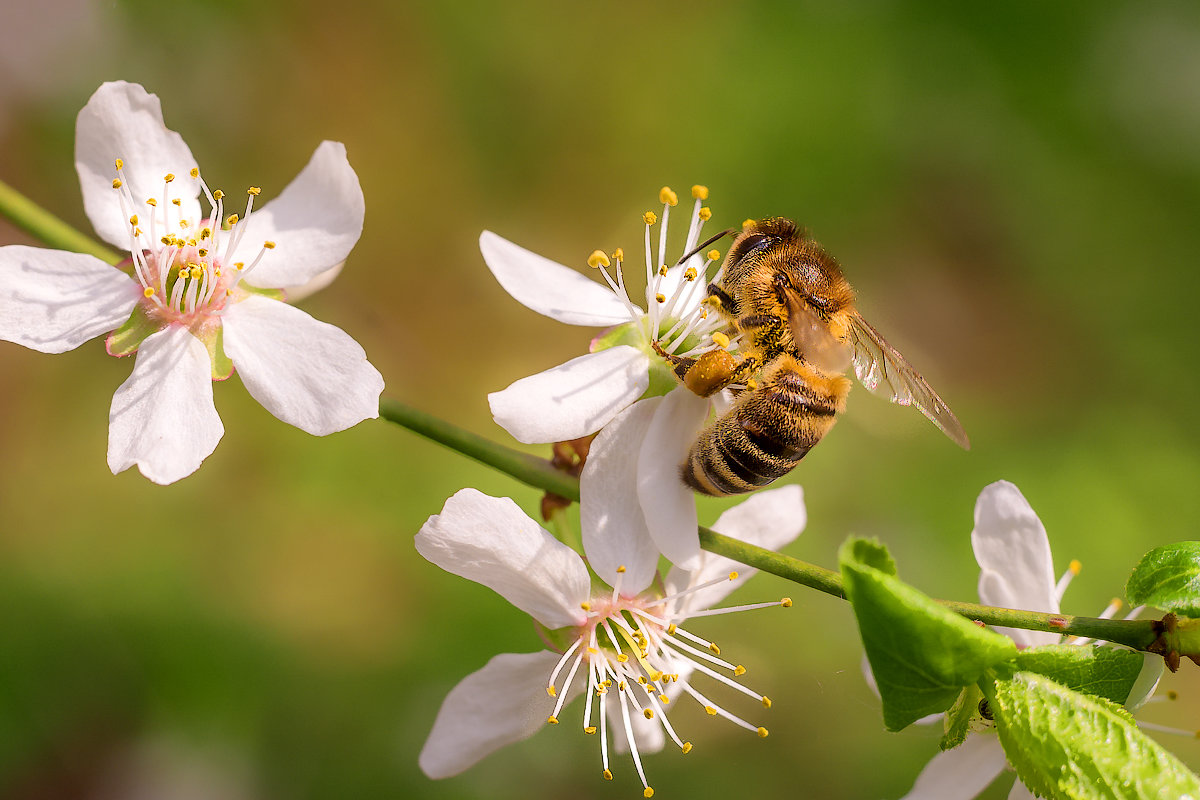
<point x="707" y="242"/>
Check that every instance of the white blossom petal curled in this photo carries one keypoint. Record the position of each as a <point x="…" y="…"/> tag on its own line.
<point x="572" y="399"/>
<point x="502" y="703"/>
<point x="550" y="288"/>
<point x="666" y="501"/>
<point x="961" y="773"/>
<point x="162" y="417"/>
<point x="492" y="542"/>
<point x="1013" y="551"/>
<point x="53" y="301"/>
<point x="307" y="373"/>
<point x="124" y="121"/>
<point x="614" y="529"/>
<point x="314" y="222"/>
<point x="772" y="519"/>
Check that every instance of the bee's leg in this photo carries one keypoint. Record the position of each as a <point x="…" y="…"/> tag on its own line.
<point x="680" y="365"/>
<point x="721" y="300"/>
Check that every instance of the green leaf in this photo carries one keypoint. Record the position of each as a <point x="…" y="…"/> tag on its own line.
<point x="1071" y="746"/>
<point x="1107" y="672"/>
<point x="1168" y="577"/>
<point x="921" y="654"/>
<point x="961" y="716"/>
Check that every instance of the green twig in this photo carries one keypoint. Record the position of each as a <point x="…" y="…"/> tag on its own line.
<point x="49" y="229"/>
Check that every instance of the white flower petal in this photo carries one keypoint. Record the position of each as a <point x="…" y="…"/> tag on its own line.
<point x="54" y="301"/>
<point x="770" y="519"/>
<point x="163" y="418"/>
<point x="1013" y="552"/>
<point x="502" y="703"/>
<point x="122" y="120"/>
<point x="492" y="542"/>
<point x="572" y="399"/>
<point x="614" y="529"/>
<point x="1146" y="682"/>
<point x="550" y="288"/>
<point x="666" y="501"/>
<point x="307" y="373"/>
<point x="961" y="773"/>
<point x="1020" y="792"/>
<point x="295" y="294"/>
<point x="315" y="222"/>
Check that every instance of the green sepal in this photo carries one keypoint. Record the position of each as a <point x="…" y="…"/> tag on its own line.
<point x="1108" y="672"/>
<point x="125" y="340"/>
<point x="1168" y="577"/>
<point x="222" y="365"/>
<point x="1072" y="746"/>
<point x="963" y="717"/>
<point x="921" y="654"/>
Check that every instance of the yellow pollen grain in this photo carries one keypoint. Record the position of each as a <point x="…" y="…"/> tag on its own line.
<point x="150" y="201"/>
<point x="690" y="274"/>
<point x="622" y="658"/>
<point x="618" y="254"/>
<point x="116" y="183"/>
<point x="194" y="172"/>
<point x="671" y="629"/>
<point x="1075" y="566"/>
<point x="739" y="671"/>
<point x="648" y="713"/>
<point x="148" y="291"/>
<point x="269" y="245"/>
<point x="662" y="698"/>
<point x="133" y="220"/>
<point x="766" y="701"/>
<point x="586" y="606"/>
<point x="550" y="690"/>
<point x="660" y="297"/>
<point x="716" y="651"/>
<point x="1117" y="604"/>
<point x="720" y="339"/>
<point x="120" y="163"/>
<point x="621" y="570"/>
<point x="747" y="223"/>
<point x="733" y="575"/>
<point x="177" y="202"/>
<point x="650" y="218"/>
<point x="590" y="730"/>
<point x="647" y="792"/>
<point x="712" y="712"/>
<point x="705" y="213"/>
<point x="553" y="720"/>
<point x="598" y="259"/>
<point x="607" y="775"/>
<point x="231" y="220"/>
<point x="667" y="196"/>
<point x="687" y="748"/>
<point x="218" y="194"/>
<point x="662" y="270"/>
<point x="254" y="190"/>
<point x="170" y="176"/>
<point x="700" y="192"/>
<point x="763" y="733"/>
<point x="786" y="602"/>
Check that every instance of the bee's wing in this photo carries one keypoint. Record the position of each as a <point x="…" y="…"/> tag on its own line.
<point x="813" y="339"/>
<point x="884" y="372"/>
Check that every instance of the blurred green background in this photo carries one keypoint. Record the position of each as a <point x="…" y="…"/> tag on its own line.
<point x="1013" y="190"/>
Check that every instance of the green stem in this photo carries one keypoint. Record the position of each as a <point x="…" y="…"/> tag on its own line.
<point x="47" y="228"/>
<point x="1138" y="634"/>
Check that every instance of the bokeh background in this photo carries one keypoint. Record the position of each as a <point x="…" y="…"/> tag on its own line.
<point x="1012" y="189"/>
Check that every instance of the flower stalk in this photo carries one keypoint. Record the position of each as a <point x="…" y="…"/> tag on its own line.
<point x="49" y="229"/>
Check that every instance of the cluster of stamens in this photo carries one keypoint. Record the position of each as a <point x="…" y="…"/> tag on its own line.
<point x="671" y="319"/>
<point x="635" y="647"/>
<point x="186" y="267"/>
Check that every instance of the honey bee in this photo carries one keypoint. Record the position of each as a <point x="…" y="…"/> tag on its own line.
<point x="794" y="310"/>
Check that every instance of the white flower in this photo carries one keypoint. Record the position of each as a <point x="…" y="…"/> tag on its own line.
<point x="200" y="295"/>
<point x="586" y="393"/>
<point x="623" y="647"/>
<point x="1017" y="571"/>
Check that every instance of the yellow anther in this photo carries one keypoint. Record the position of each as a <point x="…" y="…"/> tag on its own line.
<point x="766" y="701"/>
<point x="739" y="671"/>
<point x="239" y="265"/>
<point x="647" y="792"/>
<point x="231" y="220"/>
<point x="229" y="292"/>
<point x="590" y="730"/>
<point x="700" y="192"/>
<point x="667" y="196"/>
<point x="218" y="194"/>
<point x="716" y="651"/>
<point x="550" y="690"/>
<point x="167" y="240"/>
<point x="137" y="232"/>
<point x="1075" y="566"/>
<point x="254" y="190"/>
<point x="671" y="629"/>
<point x="656" y="676"/>
<point x="203" y="251"/>
<point x="713" y="254"/>
<point x="1117" y="604"/>
<point x="660" y="297"/>
<point x="133" y="220"/>
<point x="148" y="291"/>
<point x="648" y="713"/>
<point x="116" y="183"/>
<point x="720" y="339"/>
<point x="642" y="680"/>
<point x="650" y="218"/>
<point x="197" y="273"/>
<point x="205" y="232"/>
<point x="177" y="202"/>
<point x="194" y="172"/>
<point x="786" y="602"/>
<point x="662" y="270"/>
<point x="621" y="570"/>
<point x="622" y="658"/>
<point x="592" y="651"/>
<point x="150" y="201"/>
<point x="620" y="686"/>
<point x="662" y="698"/>
<point x="712" y="712"/>
<point x="607" y="775"/>
<point x="747" y="223"/>
<point x="687" y="748"/>
<point x="733" y="575"/>
<point x="585" y="605"/>
<point x="690" y="274"/>
<point x="598" y="259"/>
<point x="553" y="720"/>
<point x="170" y="176"/>
<point x="705" y="213"/>
<point x="618" y="254"/>
<point x="269" y="245"/>
<point x="120" y="163"/>
<point x="763" y="733"/>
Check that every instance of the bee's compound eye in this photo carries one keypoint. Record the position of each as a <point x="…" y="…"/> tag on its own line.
<point x="752" y="244"/>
